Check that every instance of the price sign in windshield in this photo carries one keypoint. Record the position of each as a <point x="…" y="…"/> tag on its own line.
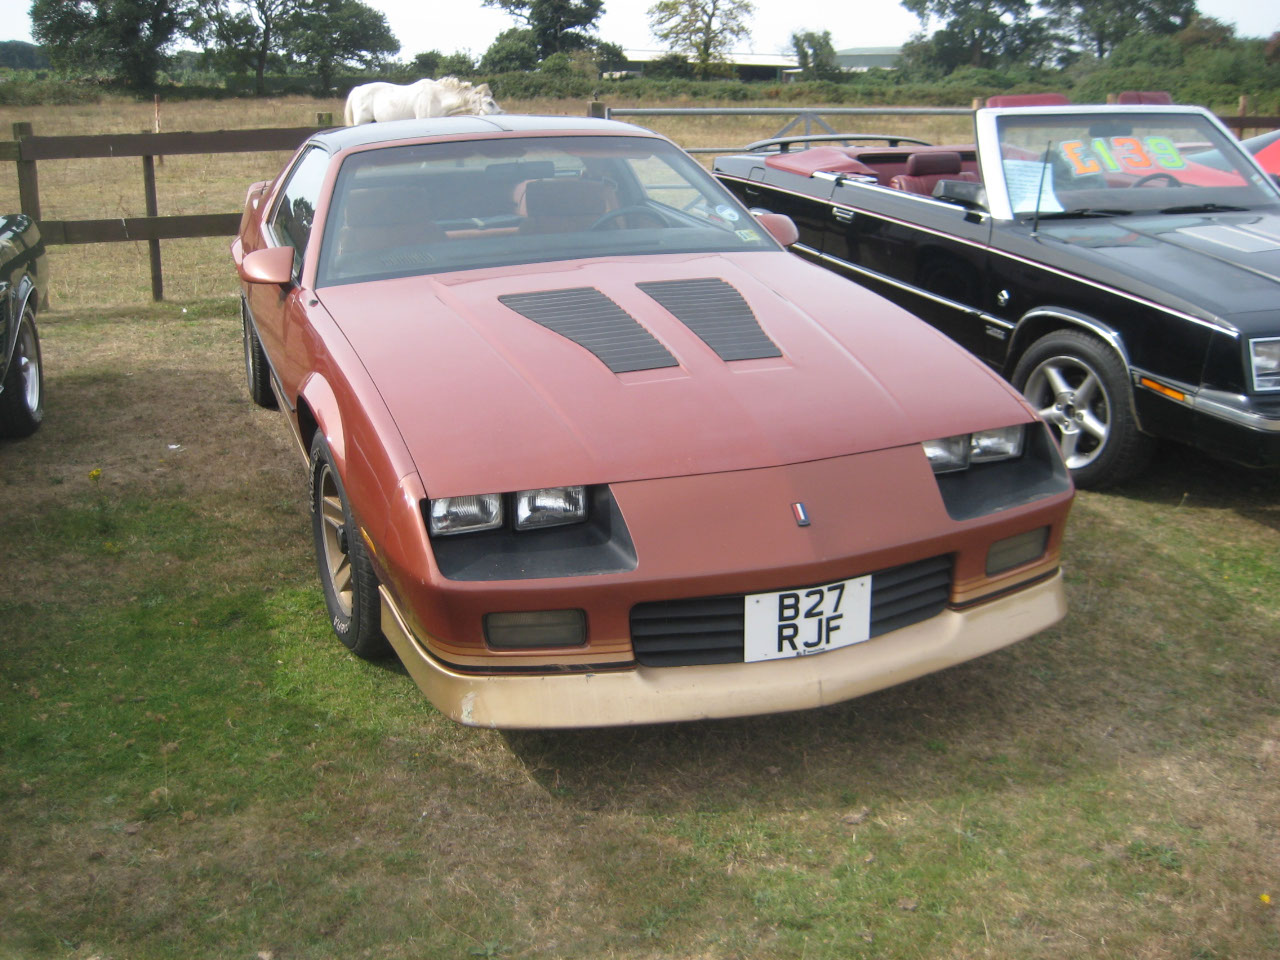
<point x="1121" y="155"/>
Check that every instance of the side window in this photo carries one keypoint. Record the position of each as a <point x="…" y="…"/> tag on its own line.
<point x="291" y="223"/>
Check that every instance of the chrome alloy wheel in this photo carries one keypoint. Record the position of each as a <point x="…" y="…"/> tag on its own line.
<point x="1072" y="399"/>
<point x="337" y="548"/>
<point x="26" y="357"/>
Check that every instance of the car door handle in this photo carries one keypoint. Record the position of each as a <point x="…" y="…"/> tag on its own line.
<point x="842" y="214"/>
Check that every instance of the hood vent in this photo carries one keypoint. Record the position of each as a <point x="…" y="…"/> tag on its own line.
<point x="718" y="314"/>
<point x="591" y="320"/>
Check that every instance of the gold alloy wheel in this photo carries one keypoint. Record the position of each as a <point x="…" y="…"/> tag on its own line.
<point x="337" y="557"/>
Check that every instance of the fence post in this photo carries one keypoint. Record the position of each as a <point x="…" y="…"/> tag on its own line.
<point x="1243" y="111"/>
<point x="28" y="181"/>
<point x="596" y="108"/>
<point x="153" y="209"/>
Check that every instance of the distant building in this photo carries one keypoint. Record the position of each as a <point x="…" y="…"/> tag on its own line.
<point x="858" y="59"/>
<point x="747" y="66"/>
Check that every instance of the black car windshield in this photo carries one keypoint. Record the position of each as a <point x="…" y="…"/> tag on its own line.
<point x="459" y="205"/>
<point x="1056" y="164"/>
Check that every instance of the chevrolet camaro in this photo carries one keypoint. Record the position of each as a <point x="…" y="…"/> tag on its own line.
<point x="588" y="447"/>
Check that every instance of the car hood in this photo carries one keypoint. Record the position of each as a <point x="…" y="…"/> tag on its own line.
<point x="1224" y="265"/>
<point x="490" y="400"/>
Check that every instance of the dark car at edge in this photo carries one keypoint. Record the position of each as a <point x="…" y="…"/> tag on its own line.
<point x="1120" y="265"/>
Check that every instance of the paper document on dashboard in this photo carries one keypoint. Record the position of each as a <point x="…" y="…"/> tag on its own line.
<point x="1024" y="178"/>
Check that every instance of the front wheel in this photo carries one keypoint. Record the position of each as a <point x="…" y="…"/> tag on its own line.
<point x="1080" y="388"/>
<point x="346" y="576"/>
<point x="22" y="398"/>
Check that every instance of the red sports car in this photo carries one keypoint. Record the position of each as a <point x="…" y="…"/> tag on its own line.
<point x="588" y="447"/>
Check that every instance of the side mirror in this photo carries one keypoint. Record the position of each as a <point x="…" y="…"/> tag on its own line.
<point x="272" y="265"/>
<point x="961" y="192"/>
<point x="779" y="226"/>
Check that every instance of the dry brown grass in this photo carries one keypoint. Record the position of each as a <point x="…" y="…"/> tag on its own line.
<point x="88" y="276"/>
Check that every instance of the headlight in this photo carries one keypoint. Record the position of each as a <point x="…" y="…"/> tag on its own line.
<point x="957" y="453"/>
<point x="470" y="514"/>
<point x="531" y="510"/>
<point x="550" y="507"/>
<point x="1266" y="363"/>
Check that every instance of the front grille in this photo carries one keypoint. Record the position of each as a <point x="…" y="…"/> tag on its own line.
<point x="678" y="633"/>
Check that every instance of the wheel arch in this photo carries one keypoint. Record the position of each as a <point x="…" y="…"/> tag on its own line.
<point x="1042" y="321"/>
<point x="317" y="411"/>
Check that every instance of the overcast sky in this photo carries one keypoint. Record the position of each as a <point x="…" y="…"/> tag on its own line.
<point x="466" y="25"/>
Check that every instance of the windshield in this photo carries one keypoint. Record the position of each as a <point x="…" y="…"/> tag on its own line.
<point x="425" y="208"/>
<point x="1099" y="164"/>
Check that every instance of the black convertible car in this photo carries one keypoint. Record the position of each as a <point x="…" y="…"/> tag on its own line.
<point x="21" y="288"/>
<point x="1120" y="265"/>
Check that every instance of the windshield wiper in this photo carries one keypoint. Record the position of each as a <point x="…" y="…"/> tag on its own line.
<point x="1205" y="208"/>
<point x="1082" y="212"/>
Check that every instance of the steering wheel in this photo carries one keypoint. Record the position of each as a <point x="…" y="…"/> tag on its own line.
<point x="1172" y="181"/>
<point x="627" y="211"/>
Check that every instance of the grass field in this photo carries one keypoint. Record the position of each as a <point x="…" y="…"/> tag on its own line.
<point x="192" y="766"/>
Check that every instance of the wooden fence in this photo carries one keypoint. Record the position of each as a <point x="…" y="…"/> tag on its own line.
<point x="27" y="149"/>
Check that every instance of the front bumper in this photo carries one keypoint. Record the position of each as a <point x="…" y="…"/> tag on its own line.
<point x="640" y="695"/>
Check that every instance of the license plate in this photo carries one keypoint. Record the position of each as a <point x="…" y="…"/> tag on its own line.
<point x="799" y="623"/>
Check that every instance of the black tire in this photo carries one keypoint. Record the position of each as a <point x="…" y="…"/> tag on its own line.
<point x="1080" y="387"/>
<point x="22" y="399"/>
<point x="256" y="370"/>
<point x="346" y="576"/>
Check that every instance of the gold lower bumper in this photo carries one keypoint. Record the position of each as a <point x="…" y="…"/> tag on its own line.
<point x="663" y="694"/>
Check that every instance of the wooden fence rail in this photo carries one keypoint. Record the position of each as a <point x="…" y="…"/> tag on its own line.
<point x="26" y="149"/>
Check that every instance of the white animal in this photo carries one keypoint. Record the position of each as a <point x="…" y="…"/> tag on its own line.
<point x="445" y="97"/>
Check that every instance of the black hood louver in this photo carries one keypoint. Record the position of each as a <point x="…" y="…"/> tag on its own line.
<point x="717" y="313"/>
<point x="591" y="320"/>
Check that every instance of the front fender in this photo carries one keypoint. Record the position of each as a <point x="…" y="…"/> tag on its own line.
<point x="320" y="400"/>
<point x="1034" y="324"/>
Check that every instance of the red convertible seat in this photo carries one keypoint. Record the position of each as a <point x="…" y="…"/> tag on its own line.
<point x="808" y="162"/>
<point x="562" y="205"/>
<point x="1144" y="97"/>
<point x="1028" y="100"/>
<point x="924" y="170"/>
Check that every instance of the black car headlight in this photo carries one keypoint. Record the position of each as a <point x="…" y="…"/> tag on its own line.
<point x="1264" y="356"/>
<point x="950" y="454"/>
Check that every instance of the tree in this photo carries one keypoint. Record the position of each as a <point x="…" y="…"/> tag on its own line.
<point x="243" y="34"/>
<point x="433" y="63"/>
<point x="609" y="57"/>
<point x="1098" y="25"/>
<point x="20" y="55"/>
<point x="511" y="50"/>
<point x="816" y="55"/>
<point x="705" y="29"/>
<point x="326" y="34"/>
<point x="557" y="26"/>
<point x="128" y="38"/>
<point x="983" y="29"/>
